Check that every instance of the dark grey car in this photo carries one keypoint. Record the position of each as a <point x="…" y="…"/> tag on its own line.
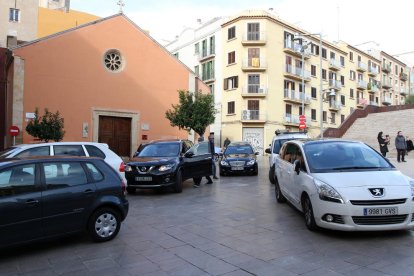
<point x="52" y="196"/>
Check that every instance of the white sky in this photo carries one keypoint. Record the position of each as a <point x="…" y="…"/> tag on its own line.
<point x="386" y="23"/>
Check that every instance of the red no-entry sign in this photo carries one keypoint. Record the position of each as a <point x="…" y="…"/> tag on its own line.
<point x="14" y="130"/>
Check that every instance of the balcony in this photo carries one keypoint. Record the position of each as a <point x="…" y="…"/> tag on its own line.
<point x="335" y="105"/>
<point x="290" y="120"/>
<point x="254" y="91"/>
<point x="362" y="67"/>
<point x="294" y="48"/>
<point x="335" y="84"/>
<point x="372" y="88"/>
<point x="403" y="76"/>
<point x="386" y="101"/>
<point x="373" y="71"/>
<point x="334" y="64"/>
<point x="254" y="38"/>
<point x="386" y="84"/>
<point x="361" y="102"/>
<point x="403" y="92"/>
<point x="296" y="97"/>
<point x="373" y="103"/>
<point x="386" y="67"/>
<point x="296" y="73"/>
<point x="204" y="56"/>
<point x="252" y="116"/>
<point x="362" y="85"/>
<point x="254" y="65"/>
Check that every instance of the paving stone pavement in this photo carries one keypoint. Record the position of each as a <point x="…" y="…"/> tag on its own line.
<point x="233" y="227"/>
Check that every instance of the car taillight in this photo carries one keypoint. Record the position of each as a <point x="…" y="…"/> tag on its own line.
<point x="122" y="167"/>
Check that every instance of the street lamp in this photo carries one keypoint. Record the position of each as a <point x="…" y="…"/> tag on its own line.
<point x="320" y="76"/>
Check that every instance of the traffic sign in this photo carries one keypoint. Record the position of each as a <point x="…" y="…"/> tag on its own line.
<point x="302" y="118"/>
<point x="14" y="130"/>
<point x="302" y="125"/>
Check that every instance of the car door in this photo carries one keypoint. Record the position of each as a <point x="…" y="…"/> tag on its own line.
<point x="20" y="204"/>
<point x="298" y="181"/>
<point x="285" y="170"/>
<point x="198" y="161"/>
<point x="68" y="197"/>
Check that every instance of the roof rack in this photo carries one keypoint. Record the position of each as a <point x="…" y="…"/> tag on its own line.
<point x="278" y="132"/>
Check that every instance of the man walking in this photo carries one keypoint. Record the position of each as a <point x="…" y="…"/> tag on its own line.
<point x="401" y="146"/>
<point x="212" y="151"/>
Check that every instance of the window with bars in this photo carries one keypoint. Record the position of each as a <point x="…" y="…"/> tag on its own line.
<point x="14" y="15"/>
<point x="253" y="31"/>
<point x="253" y="83"/>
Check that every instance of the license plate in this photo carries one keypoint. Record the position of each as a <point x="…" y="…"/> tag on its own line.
<point x="381" y="211"/>
<point x="237" y="168"/>
<point x="143" y="178"/>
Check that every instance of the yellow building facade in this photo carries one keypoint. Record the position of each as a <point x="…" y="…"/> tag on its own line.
<point x="265" y="88"/>
<point x="54" y="21"/>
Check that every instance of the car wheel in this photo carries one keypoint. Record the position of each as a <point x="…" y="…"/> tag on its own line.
<point x="131" y="190"/>
<point x="178" y="186"/>
<point x="104" y="224"/>
<point x="272" y="174"/>
<point x="256" y="172"/>
<point x="308" y="213"/>
<point x="222" y="173"/>
<point x="278" y="193"/>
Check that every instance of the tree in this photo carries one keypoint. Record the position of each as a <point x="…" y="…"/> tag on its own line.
<point x="47" y="127"/>
<point x="409" y="99"/>
<point x="195" y="111"/>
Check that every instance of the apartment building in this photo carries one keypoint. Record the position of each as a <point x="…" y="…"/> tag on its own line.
<point x="200" y="48"/>
<point x="273" y="72"/>
<point x="394" y="79"/>
<point x="18" y="21"/>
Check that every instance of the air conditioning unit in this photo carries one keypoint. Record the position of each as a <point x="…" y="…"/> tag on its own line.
<point x="245" y="114"/>
<point x="261" y="90"/>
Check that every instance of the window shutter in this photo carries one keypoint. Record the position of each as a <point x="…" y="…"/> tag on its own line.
<point x="226" y="85"/>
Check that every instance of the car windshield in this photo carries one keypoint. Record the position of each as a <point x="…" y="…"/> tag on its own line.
<point x="160" y="150"/>
<point x="243" y="149"/>
<point x="342" y="156"/>
<point x="7" y="152"/>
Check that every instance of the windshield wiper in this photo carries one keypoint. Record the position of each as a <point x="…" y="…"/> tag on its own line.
<point x="356" y="168"/>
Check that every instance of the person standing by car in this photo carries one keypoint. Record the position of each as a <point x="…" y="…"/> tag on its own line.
<point x="197" y="180"/>
<point x="383" y="144"/>
<point x="226" y="143"/>
<point x="401" y="146"/>
<point x="211" y="144"/>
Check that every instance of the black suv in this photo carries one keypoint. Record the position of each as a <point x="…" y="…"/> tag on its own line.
<point x="50" y="196"/>
<point x="166" y="163"/>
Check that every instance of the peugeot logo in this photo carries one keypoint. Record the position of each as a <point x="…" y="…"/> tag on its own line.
<point x="377" y="192"/>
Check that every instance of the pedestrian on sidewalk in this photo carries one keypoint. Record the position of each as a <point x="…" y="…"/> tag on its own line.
<point x="212" y="151"/>
<point x="401" y="146"/>
<point x="383" y="143"/>
<point x="197" y="180"/>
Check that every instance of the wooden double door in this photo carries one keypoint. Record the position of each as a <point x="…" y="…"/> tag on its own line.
<point x="116" y="132"/>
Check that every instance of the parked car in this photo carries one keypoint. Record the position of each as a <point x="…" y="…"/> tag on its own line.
<point x="277" y="142"/>
<point x="167" y="163"/>
<point x="100" y="150"/>
<point x="42" y="197"/>
<point x="344" y="185"/>
<point x="238" y="157"/>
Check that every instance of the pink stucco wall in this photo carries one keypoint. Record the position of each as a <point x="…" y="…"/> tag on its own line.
<point x="66" y="73"/>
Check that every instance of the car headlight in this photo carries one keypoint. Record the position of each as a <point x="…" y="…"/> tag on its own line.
<point x="128" y="168"/>
<point x="251" y="162"/>
<point x="224" y="163"/>
<point x="328" y="193"/>
<point x="164" y="168"/>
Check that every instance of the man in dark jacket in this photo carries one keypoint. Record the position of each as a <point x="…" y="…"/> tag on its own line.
<point x="212" y="150"/>
<point x="401" y="146"/>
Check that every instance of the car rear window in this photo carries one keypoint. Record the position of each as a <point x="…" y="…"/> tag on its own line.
<point x="94" y="151"/>
<point x="37" y="151"/>
<point x="72" y="150"/>
<point x="64" y="174"/>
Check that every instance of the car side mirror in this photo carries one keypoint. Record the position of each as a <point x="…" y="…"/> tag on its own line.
<point x="296" y="165"/>
<point x="268" y="150"/>
<point x="189" y="154"/>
